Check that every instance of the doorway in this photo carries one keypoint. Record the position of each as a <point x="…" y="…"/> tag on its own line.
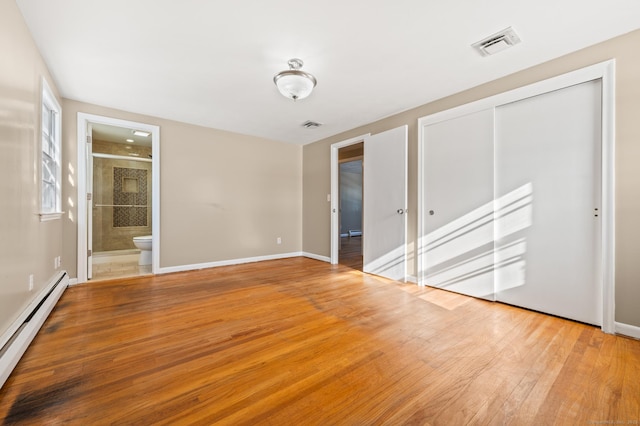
<point x="121" y="210"/>
<point x="384" y="224"/>
<point x="118" y="198"/>
<point x="350" y="177"/>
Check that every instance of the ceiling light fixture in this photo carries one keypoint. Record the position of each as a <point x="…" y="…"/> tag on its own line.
<point x="141" y="133"/>
<point x="294" y="83"/>
<point x="130" y="140"/>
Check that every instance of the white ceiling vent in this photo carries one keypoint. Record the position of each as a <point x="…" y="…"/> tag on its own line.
<point x="497" y="42"/>
<point x="311" y="124"/>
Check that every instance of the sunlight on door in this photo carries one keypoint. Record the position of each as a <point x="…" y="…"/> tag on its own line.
<point x="464" y="254"/>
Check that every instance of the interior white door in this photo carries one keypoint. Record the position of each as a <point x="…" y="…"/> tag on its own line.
<point x="90" y="192"/>
<point x="385" y="204"/>
<point x="456" y="244"/>
<point x="547" y="185"/>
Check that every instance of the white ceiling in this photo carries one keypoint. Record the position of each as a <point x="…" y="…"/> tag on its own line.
<point x="212" y="62"/>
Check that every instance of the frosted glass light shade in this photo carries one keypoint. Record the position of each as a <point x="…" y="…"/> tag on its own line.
<point x="293" y="83"/>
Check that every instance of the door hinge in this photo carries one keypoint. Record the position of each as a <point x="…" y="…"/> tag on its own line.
<point x="89" y="253"/>
<point x="88" y="196"/>
<point x="88" y="138"/>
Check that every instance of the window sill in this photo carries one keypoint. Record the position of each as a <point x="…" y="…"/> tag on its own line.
<point x="45" y="217"/>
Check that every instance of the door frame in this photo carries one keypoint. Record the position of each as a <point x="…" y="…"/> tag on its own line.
<point x="334" y="196"/>
<point x="82" y="173"/>
<point x="604" y="71"/>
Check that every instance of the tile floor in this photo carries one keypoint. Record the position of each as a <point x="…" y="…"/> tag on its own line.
<point x="118" y="264"/>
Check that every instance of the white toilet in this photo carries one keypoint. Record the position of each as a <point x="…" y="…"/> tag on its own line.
<point x="144" y="244"/>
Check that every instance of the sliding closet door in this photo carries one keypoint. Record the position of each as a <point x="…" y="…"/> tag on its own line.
<point x="457" y="243"/>
<point x="547" y="184"/>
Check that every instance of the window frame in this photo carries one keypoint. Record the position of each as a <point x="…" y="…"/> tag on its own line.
<point x="50" y="149"/>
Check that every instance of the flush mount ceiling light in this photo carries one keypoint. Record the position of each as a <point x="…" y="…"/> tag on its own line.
<point x="294" y="83"/>
<point x="141" y="133"/>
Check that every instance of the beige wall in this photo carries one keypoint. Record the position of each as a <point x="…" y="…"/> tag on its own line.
<point x="223" y="195"/>
<point x="27" y="246"/>
<point x="316" y="161"/>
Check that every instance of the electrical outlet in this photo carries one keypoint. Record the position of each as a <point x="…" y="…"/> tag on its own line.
<point x="31" y="282"/>
<point x="55" y="263"/>
<point x="59" y="261"/>
<point x="279" y="240"/>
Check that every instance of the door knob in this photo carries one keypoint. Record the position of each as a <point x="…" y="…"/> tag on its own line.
<point x="431" y="212"/>
<point x="400" y="211"/>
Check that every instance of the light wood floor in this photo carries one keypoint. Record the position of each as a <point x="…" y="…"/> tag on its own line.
<point x="302" y="342"/>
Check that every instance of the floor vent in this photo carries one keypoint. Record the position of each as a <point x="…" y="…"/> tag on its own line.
<point x="497" y="42"/>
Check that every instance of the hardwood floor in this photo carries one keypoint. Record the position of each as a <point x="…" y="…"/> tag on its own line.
<point x="350" y="253"/>
<point x="302" y="342"/>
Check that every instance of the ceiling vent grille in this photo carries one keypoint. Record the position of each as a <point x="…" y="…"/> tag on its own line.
<point x="497" y="42"/>
<point x="311" y="124"/>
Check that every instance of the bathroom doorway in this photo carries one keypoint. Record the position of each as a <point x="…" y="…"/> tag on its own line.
<point x="121" y="208"/>
<point x="120" y="231"/>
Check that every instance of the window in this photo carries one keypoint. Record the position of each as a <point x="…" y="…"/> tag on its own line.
<point x="50" y="166"/>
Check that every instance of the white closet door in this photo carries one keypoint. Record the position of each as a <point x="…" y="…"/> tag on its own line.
<point x="385" y="204"/>
<point x="457" y="240"/>
<point x="547" y="187"/>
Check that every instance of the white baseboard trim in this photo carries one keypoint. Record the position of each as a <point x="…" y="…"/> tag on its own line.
<point x="73" y="281"/>
<point x="411" y="279"/>
<point x="183" y="268"/>
<point x="28" y="324"/>
<point x="627" y="330"/>
<point x="317" y="257"/>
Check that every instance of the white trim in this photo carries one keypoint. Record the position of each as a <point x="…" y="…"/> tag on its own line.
<point x="335" y="240"/>
<point x="73" y="281"/>
<point x="83" y="120"/>
<point x="420" y="275"/>
<point x="411" y="279"/>
<point x="45" y="217"/>
<point x="49" y="100"/>
<point x="627" y="330"/>
<point x="608" y="243"/>
<point x="604" y="71"/>
<point x="316" y="257"/>
<point x="592" y="72"/>
<point x="182" y="268"/>
<point x="20" y="334"/>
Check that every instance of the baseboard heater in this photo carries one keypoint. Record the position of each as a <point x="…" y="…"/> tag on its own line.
<point x="18" y="337"/>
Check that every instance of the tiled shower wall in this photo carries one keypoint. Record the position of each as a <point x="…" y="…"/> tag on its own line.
<point x="116" y="232"/>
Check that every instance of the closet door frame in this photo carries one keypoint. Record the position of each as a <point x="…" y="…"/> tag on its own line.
<point x="605" y="71"/>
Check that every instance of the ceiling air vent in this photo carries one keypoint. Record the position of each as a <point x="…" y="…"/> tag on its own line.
<point x="311" y="124"/>
<point x="497" y="42"/>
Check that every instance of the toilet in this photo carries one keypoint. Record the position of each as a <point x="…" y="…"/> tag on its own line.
<point x="144" y="244"/>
